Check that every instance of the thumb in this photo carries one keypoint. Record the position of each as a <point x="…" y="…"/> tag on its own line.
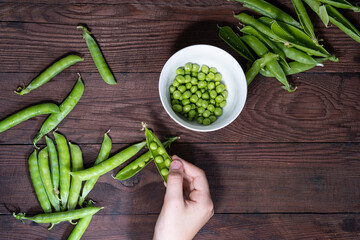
<point x="174" y="190"/>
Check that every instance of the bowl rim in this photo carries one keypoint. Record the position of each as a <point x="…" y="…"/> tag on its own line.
<point x="209" y="129"/>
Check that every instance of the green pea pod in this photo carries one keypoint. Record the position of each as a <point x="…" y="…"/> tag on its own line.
<point x="305" y="20"/>
<point x="64" y="166"/>
<point x="232" y="39"/>
<point x="269" y="10"/>
<point x="27" y="113"/>
<point x="270" y="44"/>
<point x="109" y="164"/>
<point x="161" y="157"/>
<point x="49" y="73"/>
<point x="65" y="108"/>
<point x="77" y="165"/>
<point x="319" y="9"/>
<point x="297" y="55"/>
<point x="37" y="183"/>
<point x="103" y="155"/>
<point x="258" y="65"/>
<point x="54" y="163"/>
<point x="98" y="57"/>
<point x="341" y="4"/>
<point x="138" y="164"/>
<point x="57" y="217"/>
<point x="46" y="178"/>
<point x="80" y="228"/>
<point x="341" y="22"/>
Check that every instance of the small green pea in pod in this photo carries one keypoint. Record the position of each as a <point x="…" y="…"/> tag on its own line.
<point x="161" y="157"/>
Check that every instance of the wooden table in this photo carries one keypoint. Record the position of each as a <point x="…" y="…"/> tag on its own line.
<point x="287" y="168"/>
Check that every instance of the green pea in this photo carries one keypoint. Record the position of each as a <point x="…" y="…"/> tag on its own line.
<point x="206" y="121"/>
<point x="177" y="94"/>
<point x="212" y="118"/>
<point x="211" y="85"/>
<point x="192" y="113"/>
<point x="205" y="69"/>
<point x="188" y="85"/>
<point x="225" y="94"/>
<point x="159" y="159"/>
<point x="193" y="89"/>
<point x="142" y="164"/>
<point x="187" y="78"/>
<point x="180" y="71"/>
<point x="174" y="102"/>
<point x="182" y="88"/>
<point x="202" y="84"/>
<point x="193" y="106"/>
<point x="217" y="77"/>
<point x="213" y="70"/>
<point x="199" y="102"/>
<point x="218" y="112"/>
<point x="198" y="93"/>
<point x="194" y="74"/>
<point x="201" y="110"/>
<point x="205" y="95"/>
<point x="175" y="83"/>
<point x="195" y="67"/>
<point x="188" y="67"/>
<point x="222" y="104"/>
<point x="213" y="94"/>
<point x="201" y="76"/>
<point x="219" y="98"/>
<point x="186" y="94"/>
<point x="206" y="114"/>
<point x="161" y="151"/>
<point x="172" y="89"/>
<point x="202" y="91"/>
<point x="194" y="98"/>
<point x="185" y="102"/>
<point x="204" y="104"/>
<point x="212" y="101"/>
<point x="211" y="75"/>
<point x="200" y="120"/>
<point x="194" y="81"/>
<point x="164" y="171"/>
<point x="167" y="162"/>
<point x="187" y="108"/>
<point x="153" y="146"/>
<point x="220" y="88"/>
<point x="217" y="83"/>
<point x="134" y="167"/>
<point x="180" y="78"/>
<point x="211" y="108"/>
<point x="177" y="108"/>
<point x="187" y="72"/>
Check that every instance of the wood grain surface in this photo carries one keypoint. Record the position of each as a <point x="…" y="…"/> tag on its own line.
<point x="287" y="168"/>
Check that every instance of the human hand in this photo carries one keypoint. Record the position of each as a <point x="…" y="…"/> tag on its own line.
<point x="187" y="204"/>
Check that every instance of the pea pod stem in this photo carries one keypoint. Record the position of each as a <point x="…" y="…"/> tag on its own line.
<point x="58" y="217"/>
<point x="77" y="165"/>
<point x="98" y="57"/>
<point x="103" y="155"/>
<point x="109" y="164"/>
<point x="37" y="183"/>
<point x="132" y="168"/>
<point x="27" y="113"/>
<point x="65" y="108"/>
<point x="49" y="73"/>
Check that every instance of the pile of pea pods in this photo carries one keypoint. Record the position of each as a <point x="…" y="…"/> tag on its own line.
<point x="56" y="171"/>
<point x="276" y="37"/>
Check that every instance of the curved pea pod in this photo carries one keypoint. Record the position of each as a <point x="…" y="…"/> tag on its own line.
<point x="54" y="164"/>
<point x="297" y="55"/>
<point x="64" y="167"/>
<point x="44" y="169"/>
<point x="341" y="4"/>
<point x="258" y="65"/>
<point x="65" y="108"/>
<point x="232" y="39"/>
<point x="77" y="165"/>
<point x="37" y="183"/>
<point x="27" y="113"/>
<point x="103" y="155"/>
<point x="319" y="9"/>
<point x="304" y="19"/>
<point x="58" y="217"/>
<point x="161" y="157"/>
<point x="269" y="10"/>
<point x="98" y="57"/>
<point x="49" y="73"/>
<point x="341" y="22"/>
<point x="138" y="164"/>
<point x="110" y="163"/>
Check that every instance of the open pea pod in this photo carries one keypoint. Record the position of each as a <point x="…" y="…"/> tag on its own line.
<point x="341" y="22"/>
<point x="258" y="65"/>
<point x="156" y="148"/>
<point x="319" y="9"/>
<point x="232" y="39"/>
<point x="341" y="4"/>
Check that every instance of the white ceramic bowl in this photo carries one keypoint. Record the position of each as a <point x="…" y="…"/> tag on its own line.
<point x="232" y="75"/>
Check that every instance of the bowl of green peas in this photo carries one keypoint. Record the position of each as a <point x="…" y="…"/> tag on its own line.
<point x="202" y="88"/>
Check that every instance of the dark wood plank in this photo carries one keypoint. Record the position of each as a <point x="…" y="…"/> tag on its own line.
<point x="324" y="109"/>
<point x="244" y="178"/>
<point x="236" y="226"/>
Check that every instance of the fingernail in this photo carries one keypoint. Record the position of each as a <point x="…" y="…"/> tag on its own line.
<point x="175" y="165"/>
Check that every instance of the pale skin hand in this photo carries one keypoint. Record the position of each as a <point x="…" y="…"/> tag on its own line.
<point x="187" y="204"/>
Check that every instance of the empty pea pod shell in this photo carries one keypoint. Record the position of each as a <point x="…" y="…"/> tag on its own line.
<point x="49" y="73"/>
<point x="27" y="113"/>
